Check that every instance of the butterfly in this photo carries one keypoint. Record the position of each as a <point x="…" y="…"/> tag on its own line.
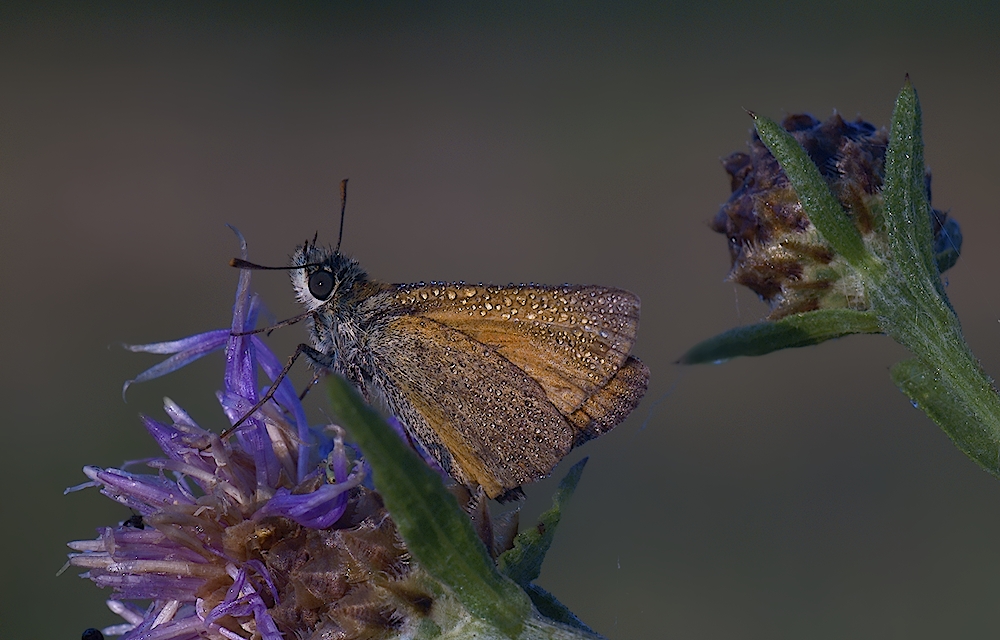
<point x="496" y="383"/>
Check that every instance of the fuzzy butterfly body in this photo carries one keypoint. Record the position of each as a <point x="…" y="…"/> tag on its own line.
<point x="496" y="383"/>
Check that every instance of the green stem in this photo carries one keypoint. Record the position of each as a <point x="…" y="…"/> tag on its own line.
<point x="954" y="392"/>
<point x="946" y="381"/>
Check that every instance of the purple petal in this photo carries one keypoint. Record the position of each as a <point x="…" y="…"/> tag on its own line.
<point x="286" y="397"/>
<point x="266" y="627"/>
<point x="338" y="457"/>
<point x="79" y="487"/>
<point x="173" y="442"/>
<point x="187" y="628"/>
<point x="150" y="491"/>
<point x="319" y="509"/>
<point x="201" y="345"/>
<point x="242" y="600"/>
<point x="259" y="567"/>
<point x="148" y="586"/>
<point x="126" y="543"/>
<point x="179" y="415"/>
<point x="227" y="605"/>
<point x="207" y="480"/>
<point x="126" y="611"/>
<point x="240" y="308"/>
<point x="184" y="344"/>
<point x="253" y="438"/>
<point x="241" y="375"/>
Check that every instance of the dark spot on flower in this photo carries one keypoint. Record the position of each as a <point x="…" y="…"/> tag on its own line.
<point x="135" y="521"/>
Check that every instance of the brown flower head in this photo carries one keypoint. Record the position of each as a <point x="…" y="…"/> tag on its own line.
<point x="776" y="251"/>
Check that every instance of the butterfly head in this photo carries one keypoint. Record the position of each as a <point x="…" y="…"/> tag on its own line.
<point x="322" y="276"/>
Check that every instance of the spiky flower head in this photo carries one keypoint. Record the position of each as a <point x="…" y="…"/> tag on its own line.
<point x="271" y="535"/>
<point x="775" y="249"/>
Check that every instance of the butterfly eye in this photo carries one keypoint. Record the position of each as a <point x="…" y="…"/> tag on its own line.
<point x="321" y="284"/>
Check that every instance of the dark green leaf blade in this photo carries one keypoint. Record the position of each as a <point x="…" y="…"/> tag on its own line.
<point x="817" y="200"/>
<point x="943" y="404"/>
<point x="799" y="330"/>
<point x="907" y="212"/>
<point x="436" y="530"/>
<point x="551" y="608"/>
<point x="523" y="562"/>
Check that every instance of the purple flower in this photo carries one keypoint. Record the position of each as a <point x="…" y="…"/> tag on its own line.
<point x="254" y="536"/>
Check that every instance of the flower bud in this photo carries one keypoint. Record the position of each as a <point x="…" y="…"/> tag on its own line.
<point x="775" y="249"/>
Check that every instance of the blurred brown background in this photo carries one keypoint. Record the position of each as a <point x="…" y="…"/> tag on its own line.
<point x="789" y="496"/>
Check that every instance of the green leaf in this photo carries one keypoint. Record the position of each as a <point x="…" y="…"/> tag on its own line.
<point x="523" y="562"/>
<point x="436" y="530"/>
<point x="799" y="330"/>
<point x="817" y="200"/>
<point x="949" y="408"/>
<point x="907" y="212"/>
<point x="551" y="608"/>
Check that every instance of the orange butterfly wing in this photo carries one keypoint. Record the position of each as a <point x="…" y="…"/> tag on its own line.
<point x="485" y="420"/>
<point x="572" y="339"/>
<point x="532" y="371"/>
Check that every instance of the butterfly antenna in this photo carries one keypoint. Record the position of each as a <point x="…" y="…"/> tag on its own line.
<point x="343" y="208"/>
<point x="239" y="263"/>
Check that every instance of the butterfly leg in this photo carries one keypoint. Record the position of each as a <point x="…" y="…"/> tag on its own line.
<point x="312" y="383"/>
<point x="309" y="352"/>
